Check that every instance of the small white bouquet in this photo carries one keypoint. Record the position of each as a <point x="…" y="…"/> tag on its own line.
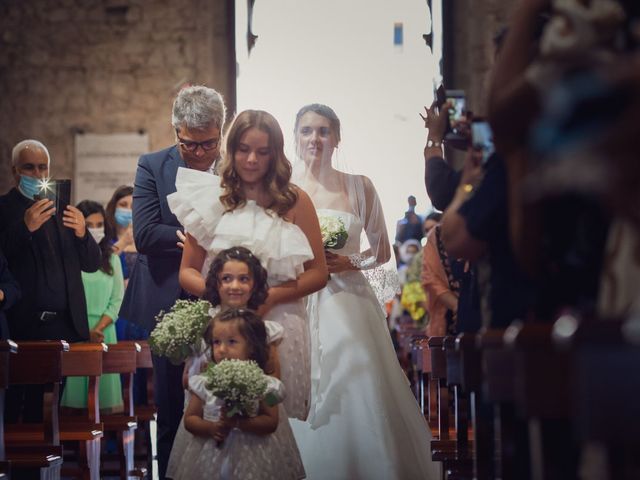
<point x="334" y="233"/>
<point x="178" y="332"/>
<point x="241" y="384"/>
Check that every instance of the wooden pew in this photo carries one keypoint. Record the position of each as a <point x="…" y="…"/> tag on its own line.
<point x="418" y="379"/>
<point x="439" y="375"/>
<point x="121" y="358"/>
<point x="6" y="349"/>
<point x="34" y="449"/>
<point x="542" y="393"/>
<point x="605" y="393"/>
<point x="509" y="461"/>
<point x="481" y="421"/>
<point x="83" y="433"/>
<point x="145" y="413"/>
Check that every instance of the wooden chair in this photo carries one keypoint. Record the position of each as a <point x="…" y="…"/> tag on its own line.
<point x="34" y="450"/>
<point x="145" y="413"/>
<point x="121" y="358"/>
<point x="83" y="433"/>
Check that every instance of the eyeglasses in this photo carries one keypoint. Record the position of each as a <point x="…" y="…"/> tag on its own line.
<point x="190" y="146"/>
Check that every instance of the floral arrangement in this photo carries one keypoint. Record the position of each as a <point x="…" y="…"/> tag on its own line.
<point x="240" y="383"/>
<point x="412" y="299"/>
<point x="178" y="332"/>
<point x="334" y="234"/>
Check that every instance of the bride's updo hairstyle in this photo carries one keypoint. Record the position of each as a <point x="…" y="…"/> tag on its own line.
<point x="323" y="110"/>
<point x="281" y="192"/>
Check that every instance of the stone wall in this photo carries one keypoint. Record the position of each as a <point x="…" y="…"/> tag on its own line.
<point x="103" y="66"/>
<point x="475" y="23"/>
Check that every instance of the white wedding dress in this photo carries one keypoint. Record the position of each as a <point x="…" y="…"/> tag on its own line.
<point x="364" y="421"/>
<point x="282" y="249"/>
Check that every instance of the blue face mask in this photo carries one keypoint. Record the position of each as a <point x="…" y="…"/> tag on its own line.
<point x="123" y="217"/>
<point x="29" y="186"/>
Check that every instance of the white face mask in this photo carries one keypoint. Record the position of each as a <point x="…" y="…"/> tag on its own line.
<point x="97" y="233"/>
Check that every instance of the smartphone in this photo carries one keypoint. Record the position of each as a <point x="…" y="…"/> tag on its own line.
<point x="482" y="138"/>
<point x="458" y="101"/>
<point x="58" y="191"/>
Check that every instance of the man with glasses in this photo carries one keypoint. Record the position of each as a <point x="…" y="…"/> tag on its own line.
<point x="197" y="118"/>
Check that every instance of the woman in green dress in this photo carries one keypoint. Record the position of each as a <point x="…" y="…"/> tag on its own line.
<point x="103" y="290"/>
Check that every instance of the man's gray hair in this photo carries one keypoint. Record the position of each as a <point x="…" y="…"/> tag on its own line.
<point x="198" y="107"/>
<point x="20" y="146"/>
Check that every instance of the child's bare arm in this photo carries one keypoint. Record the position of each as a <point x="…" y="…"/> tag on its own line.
<point x="264" y="423"/>
<point x="273" y="363"/>
<point x="197" y="425"/>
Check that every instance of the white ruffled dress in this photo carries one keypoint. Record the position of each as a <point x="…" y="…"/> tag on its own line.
<point x="282" y="248"/>
<point x="275" y="334"/>
<point x="242" y="455"/>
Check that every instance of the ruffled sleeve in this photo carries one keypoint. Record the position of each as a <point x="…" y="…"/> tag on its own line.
<point x="275" y="332"/>
<point x="276" y="392"/>
<point x="281" y="246"/>
<point x="196" y="204"/>
<point x="197" y="386"/>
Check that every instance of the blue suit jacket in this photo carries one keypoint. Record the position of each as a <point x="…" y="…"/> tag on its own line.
<point x="153" y="284"/>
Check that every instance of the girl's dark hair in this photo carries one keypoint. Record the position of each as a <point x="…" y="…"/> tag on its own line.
<point x="251" y="327"/>
<point x="110" y="216"/>
<point x="239" y="254"/>
<point x="89" y="207"/>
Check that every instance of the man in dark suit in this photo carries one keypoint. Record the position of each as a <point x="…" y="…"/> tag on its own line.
<point x="198" y="117"/>
<point x="46" y="250"/>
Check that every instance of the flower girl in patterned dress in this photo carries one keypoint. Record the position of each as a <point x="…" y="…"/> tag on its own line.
<point x="256" y="447"/>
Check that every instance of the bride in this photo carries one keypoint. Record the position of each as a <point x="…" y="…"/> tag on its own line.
<point x="364" y="422"/>
<point x="254" y="205"/>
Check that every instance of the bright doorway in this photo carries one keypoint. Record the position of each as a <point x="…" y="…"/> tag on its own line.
<point x="364" y="58"/>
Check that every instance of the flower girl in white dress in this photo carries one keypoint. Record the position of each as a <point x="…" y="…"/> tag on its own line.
<point x="256" y="447"/>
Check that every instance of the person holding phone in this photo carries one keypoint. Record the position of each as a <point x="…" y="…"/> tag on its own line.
<point x="441" y="181"/>
<point x="46" y="252"/>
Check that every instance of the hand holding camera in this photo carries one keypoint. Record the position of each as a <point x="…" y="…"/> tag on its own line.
<point x="38" y="213"/>
<point x="74" y="219"/>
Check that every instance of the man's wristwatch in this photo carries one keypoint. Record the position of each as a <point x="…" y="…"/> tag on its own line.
<point x="433" y="143"/>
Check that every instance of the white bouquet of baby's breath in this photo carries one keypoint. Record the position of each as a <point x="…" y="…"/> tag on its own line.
<point x="240" y="383"/>
<point x="178" y="332"/>
<point x="334" y="234"/>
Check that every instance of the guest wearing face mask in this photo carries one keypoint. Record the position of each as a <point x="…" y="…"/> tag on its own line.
<point x="103" y="290"/>
<point x="118" y="216"/>
<point x="46" y="250"/>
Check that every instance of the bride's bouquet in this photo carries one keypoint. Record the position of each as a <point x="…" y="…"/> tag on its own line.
<point x="241" y="384"/>
<point x="334" y="234"/>
<point x="178" y="332"/>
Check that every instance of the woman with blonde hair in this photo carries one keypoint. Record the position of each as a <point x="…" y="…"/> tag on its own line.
<point x="253" y="204"/>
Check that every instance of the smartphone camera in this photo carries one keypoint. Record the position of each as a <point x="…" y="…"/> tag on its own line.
<point x="458" y="102"/>
<point x="482" y="139"/>
<point x="58" y="191"/>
